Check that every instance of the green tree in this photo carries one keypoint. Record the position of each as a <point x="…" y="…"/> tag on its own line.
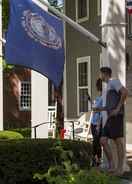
<point x="5" y="14"/>
<point x="56" y="5"/>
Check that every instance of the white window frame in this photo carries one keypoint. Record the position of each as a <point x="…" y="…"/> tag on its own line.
<point x="80" y="20"/>
<point x="100" y="60"/>
<point x="20" y="107"/>
<point x="99" y="7"/>
<point x="84" y="60"/>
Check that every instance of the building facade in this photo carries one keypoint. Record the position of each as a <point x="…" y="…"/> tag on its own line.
<point x="83" y="59"/>
<point x="82" y="55"/>
<point x="17" y="98"/>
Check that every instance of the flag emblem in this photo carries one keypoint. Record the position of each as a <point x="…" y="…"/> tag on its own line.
<point x="39" y="30"/>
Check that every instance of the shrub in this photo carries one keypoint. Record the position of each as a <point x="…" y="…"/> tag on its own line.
<point x="68" y="172"/>
<point x="26" y="132"/>
<point x="19" y="160"/>
<point x="10" y="135"/>
<point x="81" y="177"/>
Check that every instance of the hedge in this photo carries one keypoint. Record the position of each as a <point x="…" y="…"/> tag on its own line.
<point x="26" y="132"/>
<point x="10" y="135"/>
<point x="20" y="160"/>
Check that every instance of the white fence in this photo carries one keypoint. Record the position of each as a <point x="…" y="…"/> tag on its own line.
<point x="51" y="114"/>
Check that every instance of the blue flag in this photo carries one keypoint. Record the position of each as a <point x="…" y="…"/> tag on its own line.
<point x="35" y="40"/>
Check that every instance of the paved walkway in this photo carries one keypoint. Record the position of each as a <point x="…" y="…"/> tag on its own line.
<point x="129" y="174"/>
<point x="126" y="182"/>
<point x="129" y="160"/>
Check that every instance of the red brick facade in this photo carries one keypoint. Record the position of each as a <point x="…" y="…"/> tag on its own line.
<point x="13" y="116"/>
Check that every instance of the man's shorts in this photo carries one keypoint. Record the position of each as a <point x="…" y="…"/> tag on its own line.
<point x="114" y="127"/>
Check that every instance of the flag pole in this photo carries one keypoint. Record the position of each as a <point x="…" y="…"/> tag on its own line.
<point x="75" y="25"/>
<point x="60" y="111"/>
<point x="1" y="72"/>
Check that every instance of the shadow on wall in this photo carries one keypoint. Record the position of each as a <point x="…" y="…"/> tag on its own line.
<point x="117" y="38"/>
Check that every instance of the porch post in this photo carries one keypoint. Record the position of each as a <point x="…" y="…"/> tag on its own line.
<point x="113" y="33"/>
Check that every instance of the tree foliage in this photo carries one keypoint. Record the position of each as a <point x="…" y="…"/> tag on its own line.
<point x="5" y="14"/>
<point x="56" y="5"/>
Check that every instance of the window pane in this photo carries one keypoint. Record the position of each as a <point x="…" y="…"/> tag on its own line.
<point x="99" y="7"/>
<point x="129" y="24"/>
<point x="25" y="97"/>
<point x="82" y="8"/>
<point x="83" y="100"/>
<point x="83" y="78"/>
<point x="51" y="94"/>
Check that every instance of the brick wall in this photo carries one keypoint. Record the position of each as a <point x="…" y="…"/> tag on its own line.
<point x="13" y="117"/>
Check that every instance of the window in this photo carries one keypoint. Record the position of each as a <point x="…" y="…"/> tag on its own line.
<point x="98" y="7"/>
<point x="82" y="10"/>
<point x="25" y="96"/>
<point x="129" y="25"/>
<point x="51" y="94"/>
<point x="83" y="84"/>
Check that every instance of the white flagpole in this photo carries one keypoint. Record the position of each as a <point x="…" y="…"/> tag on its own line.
<point x="75" y="25"/>
<point x="1" y="72"/>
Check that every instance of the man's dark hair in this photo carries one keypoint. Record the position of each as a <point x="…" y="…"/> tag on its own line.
<point x="106" y="70"/>
<point x="99" y="84"/>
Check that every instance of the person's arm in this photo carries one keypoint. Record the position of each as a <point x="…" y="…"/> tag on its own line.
<point x="124" y="93"/>
<point x="99" y="109"/>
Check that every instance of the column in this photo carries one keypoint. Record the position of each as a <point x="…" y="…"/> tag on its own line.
<point x="113" y="33"/>
<point x="39" y="103"/>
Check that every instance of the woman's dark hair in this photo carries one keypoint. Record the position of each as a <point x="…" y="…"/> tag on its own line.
<point x="99" y="84"/>
<point x="106" y="70"/>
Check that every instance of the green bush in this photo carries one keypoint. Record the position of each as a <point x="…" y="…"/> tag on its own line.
<point x="20" y="160"/>
<point x="10" y="135"/>
<point x="26" y="132"/>
<point x="92" y="177"/>
<point x="68" y="172"/>
<point x="81" y="177"/>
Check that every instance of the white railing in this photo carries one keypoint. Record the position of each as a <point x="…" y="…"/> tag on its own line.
<point x="51" y="120"/>
<point x="51" y="113"/>
<point x="78" y="129"/>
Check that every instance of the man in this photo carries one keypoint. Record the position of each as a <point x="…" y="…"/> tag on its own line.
<point x="114" y="100"/>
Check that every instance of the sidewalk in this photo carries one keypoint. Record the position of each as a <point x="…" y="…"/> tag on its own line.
<point x="128" y="175"/>
<point x="126" y="182"/>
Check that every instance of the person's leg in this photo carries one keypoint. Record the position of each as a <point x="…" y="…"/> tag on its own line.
<point x="117" y="134"/>
<point x="98" y="149"/>
<point x="94" y="149"/>
<point x="120" y="152"/>
<point x="99" y="152"/>
<point x="108" y="153"/>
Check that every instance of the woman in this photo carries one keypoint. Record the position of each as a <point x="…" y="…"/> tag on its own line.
<point x="96" y="119"/>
